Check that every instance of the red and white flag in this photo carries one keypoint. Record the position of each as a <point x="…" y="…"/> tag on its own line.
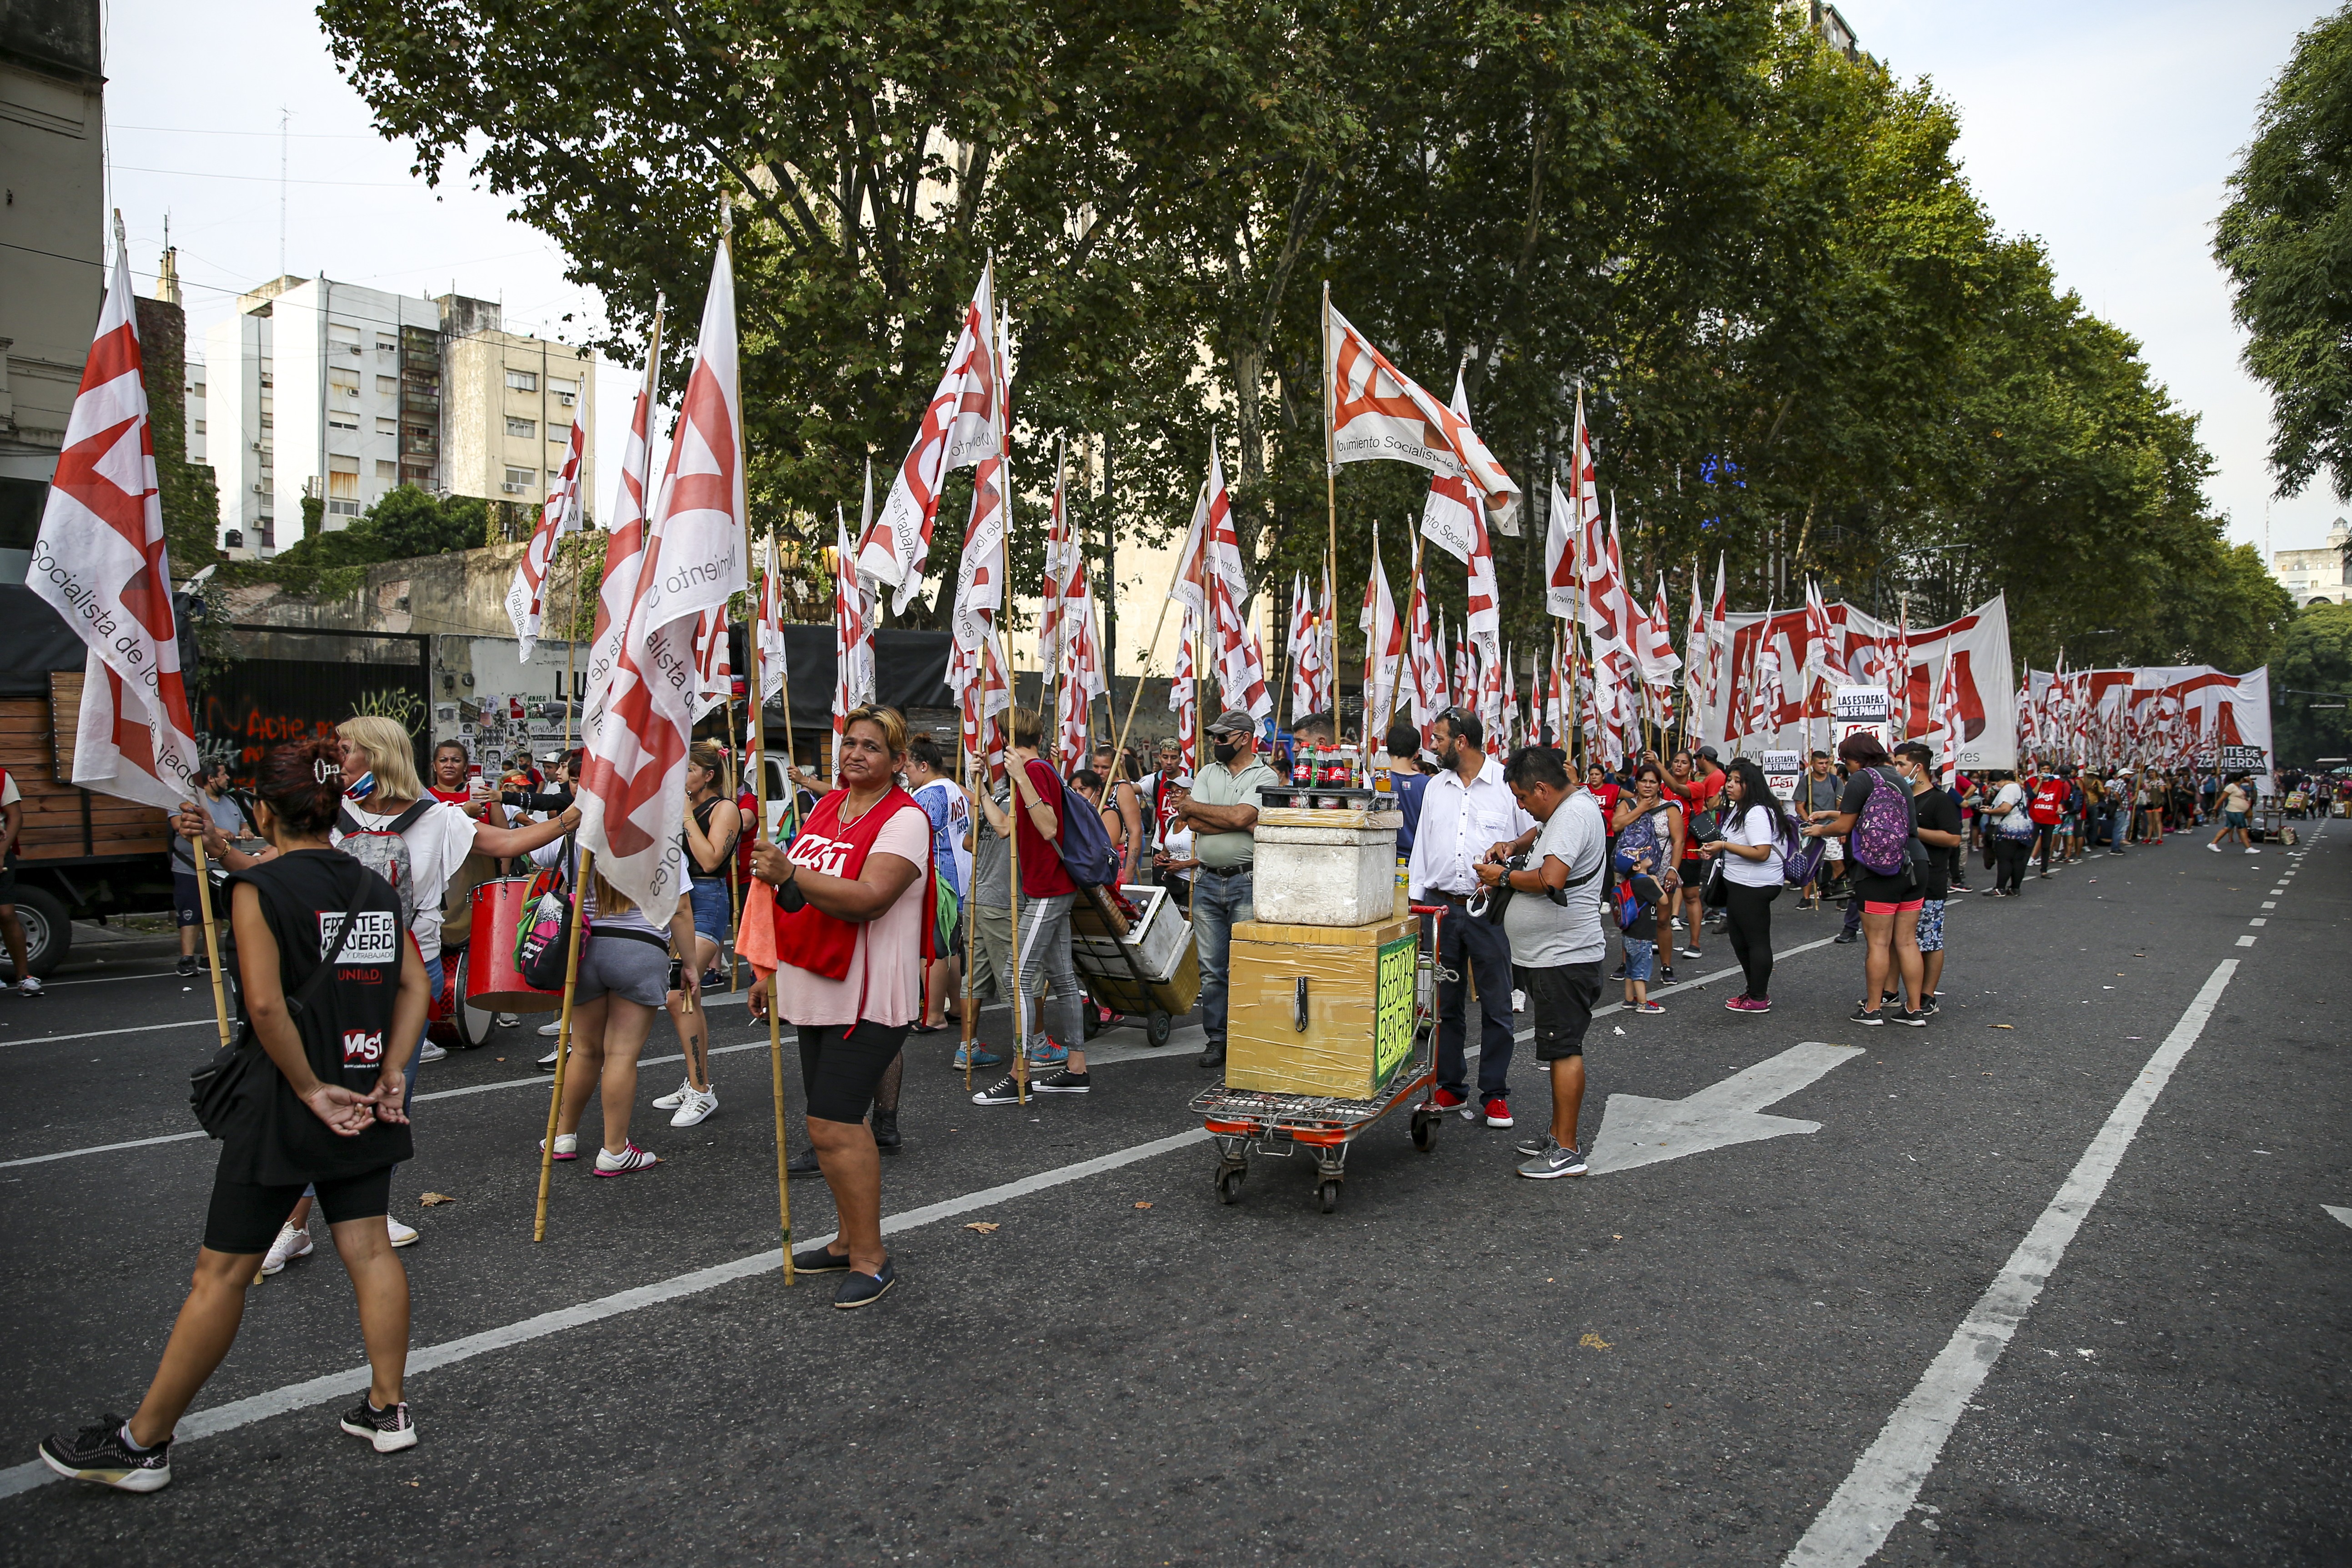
<point x="1608" y="607"/>
<point x="714" y="672"/>
<point x="960" y="428"/>
<point x="1383" y="641"/>
<point x="1374" y="411"/>
<point x="1659" y="661"/>
<point x="1824" y="649"/>
<point x="1184" y="695"/>
<point x="769" y="628"/>
<point x="1079" y="659"/>
<point x="526" y="595"/>
<point x="852" y="629"/>
<point x="1718" y="635"/>
<point x="979" y="572"/>
<point x="625" y="541"/>
<point x="1424" y="664"/>
<point x="100" y="560"/>
<point x="1694" y="648"/>
<point x="1298" y="648"/>
<point x="1947" y="716"/>
<point x="633" y="779"/>
<point x="1575" y="512"/>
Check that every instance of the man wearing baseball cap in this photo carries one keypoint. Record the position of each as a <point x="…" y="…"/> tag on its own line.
<point x="1220" y="808"/>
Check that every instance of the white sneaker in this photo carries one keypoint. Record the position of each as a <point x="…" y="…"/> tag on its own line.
<point x="291" y="1243"/>
<point x="630" y="1157"/>
<point x="508" y="1020"/>
<point x="549" y="1031"/>
<point x="2215" y="847"/>
<point x="29" y="986"/>
<point x="547" y="1062"/>
<point x="2252" y="851"/>
<point x="567" y="1145"/>
<point x="696" y="1108"/>
<point x="676" y="1097"/>
<point x="402" y="1235"/>
<point x="429" y="1052"/>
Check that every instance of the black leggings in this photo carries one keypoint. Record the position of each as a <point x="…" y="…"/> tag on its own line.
<point x="2008" y="857"/>
<point x="841" y="1066"/>
<point x="1747" y="913"/>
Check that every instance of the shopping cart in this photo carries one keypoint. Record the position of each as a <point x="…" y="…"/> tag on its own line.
<point x="1248" y="1121"/>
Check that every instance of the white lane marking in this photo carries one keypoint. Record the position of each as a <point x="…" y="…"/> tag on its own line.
<point x="2245" y="941"/>
<point x="342" y="1384"/>
<point x="206" y="1022"/>
<point x="2269" y="904"/>
<point x="1885" y="1481"/>
<point x="1636" y="1130"/>
<point x="2343" y="1215"/>
<point x="1188" y="1039"/>
<point x="2258" y="920"/>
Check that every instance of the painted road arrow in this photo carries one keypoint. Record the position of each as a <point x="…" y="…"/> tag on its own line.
<point x="1638" y="1130"/>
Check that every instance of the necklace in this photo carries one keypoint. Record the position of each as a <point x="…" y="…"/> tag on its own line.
<point x="841" y="815"/>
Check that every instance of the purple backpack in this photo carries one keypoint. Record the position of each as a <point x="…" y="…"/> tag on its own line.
<point x="1881" y="829"/>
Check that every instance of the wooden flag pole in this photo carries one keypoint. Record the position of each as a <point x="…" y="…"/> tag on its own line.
<point x="212" y="939"/>
<point x="582" y="869"/>
<point x="1157" y="626"/>
<point x="1019" y="771"/>
<point x="1331" y="522"/>
<point x="775" y="1025"/>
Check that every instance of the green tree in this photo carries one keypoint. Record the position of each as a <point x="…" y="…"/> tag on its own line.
<point x="2314" y="664"/>
<point x="2285" y="240"/>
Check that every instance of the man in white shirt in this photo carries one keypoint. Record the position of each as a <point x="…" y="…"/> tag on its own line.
<point x="1466" y="811"/>
<point x="1557" y="947"/>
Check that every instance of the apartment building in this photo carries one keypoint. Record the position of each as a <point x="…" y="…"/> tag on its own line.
<point x="52" y="272"/>
<point x="341" y="391"/>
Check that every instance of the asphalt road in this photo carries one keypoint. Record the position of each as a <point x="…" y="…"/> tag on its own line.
<point x="2053" y="1280"/>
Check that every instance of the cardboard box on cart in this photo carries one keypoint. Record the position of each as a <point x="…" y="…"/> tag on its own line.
<point x="1320" y="1009"/>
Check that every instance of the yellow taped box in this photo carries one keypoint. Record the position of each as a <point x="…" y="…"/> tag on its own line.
<point x="1357" y="1007"/>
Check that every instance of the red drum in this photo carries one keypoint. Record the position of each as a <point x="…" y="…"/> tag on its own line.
<point x="492" y="981"/>
<point x="451" y="1022"/>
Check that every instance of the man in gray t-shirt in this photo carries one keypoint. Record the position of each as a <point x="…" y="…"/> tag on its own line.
<point x="1553" y="921"/>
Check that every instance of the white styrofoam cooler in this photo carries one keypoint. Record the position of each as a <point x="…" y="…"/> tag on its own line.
<point x="1156" y="937"/>
<point x="1324" y="876"/>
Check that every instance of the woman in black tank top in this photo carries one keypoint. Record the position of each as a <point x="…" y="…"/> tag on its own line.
<point x="318" y="1101"/>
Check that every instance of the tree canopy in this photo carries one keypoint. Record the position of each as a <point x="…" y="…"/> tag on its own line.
<point x="2286" y="240"/>
<point x="1800" y="338"/>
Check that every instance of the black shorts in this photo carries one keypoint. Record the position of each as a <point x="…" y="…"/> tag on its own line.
<point x="1559" y="1003"/>
<point x="839" y="1068"/>
<point x="245" y="1216"/>
<point x="185" y="900"/>
<point x="1874" y="889"/>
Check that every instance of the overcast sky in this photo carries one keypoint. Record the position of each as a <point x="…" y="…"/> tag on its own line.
<point x="2105" y="127"/>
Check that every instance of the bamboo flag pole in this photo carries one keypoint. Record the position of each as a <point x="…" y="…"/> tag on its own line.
<point x="212" y="939"/>
<point x="1331" y="517"/>
<point x="581" y="871"/>
<point x="775" y="1026"/>
<point x="1019" y="770"/>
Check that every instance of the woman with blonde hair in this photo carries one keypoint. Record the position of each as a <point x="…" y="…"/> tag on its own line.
<point x="389" y="822"/>
<point x="706" y="840"/>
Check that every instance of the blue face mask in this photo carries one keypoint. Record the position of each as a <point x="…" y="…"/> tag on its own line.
<point x="361" y="787"/>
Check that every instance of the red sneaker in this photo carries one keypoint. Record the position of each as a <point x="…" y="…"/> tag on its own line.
<point x="1446" y="1100"/>
<point x="1498" y="1112"/>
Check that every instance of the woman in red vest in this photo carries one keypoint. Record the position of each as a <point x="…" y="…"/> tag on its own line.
<point x="851" y="892"/>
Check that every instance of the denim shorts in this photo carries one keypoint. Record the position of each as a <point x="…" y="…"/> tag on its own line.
<point x="712" y="910"/>
<point x="1931" y="925"/>
<point x="1640" y="957"/>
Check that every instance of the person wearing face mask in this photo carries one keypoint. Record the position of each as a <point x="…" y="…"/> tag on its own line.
<point x="1466" y="813"/>
<point x="1220" y="809"/>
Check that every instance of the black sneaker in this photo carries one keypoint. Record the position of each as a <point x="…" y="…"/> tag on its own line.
<point x="1932" y="1005"/>
<point x="1003" y="1092"/>
<point x="1618" y="972"/>
<point x="818" y="1259"/>
<point x="389" y="1429"/>
<point x="188" y="965"/>
<point x="1061" y="1081"/>
<point x="1917" y="1020"/>
<point x="1866" y="1017"/>
<point x="885" y="1131"/>
<point x="1846" y="936"/>
<point x="1666" y="975"/>
<point x="864" y="1290"/>
<point x="98" y="1455"/>
<point x="803" y="1164"/>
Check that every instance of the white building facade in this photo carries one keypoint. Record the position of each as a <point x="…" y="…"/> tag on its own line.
<point x="2317" y="576"/>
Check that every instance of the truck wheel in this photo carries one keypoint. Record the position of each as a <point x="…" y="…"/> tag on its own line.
<point x="48" y="934"/>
